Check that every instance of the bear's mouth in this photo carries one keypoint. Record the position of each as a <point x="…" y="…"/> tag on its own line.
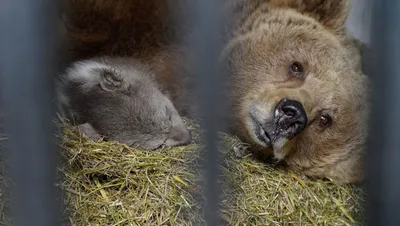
<point x="260" y="132"/>
<point x="262" y="135"/>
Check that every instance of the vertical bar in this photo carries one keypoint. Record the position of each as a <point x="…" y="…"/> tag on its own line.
<point x="383" y="158"/>
<point x="28" y="61"/>
<point x="206" y="47"/>
<point x="359" y="20"/>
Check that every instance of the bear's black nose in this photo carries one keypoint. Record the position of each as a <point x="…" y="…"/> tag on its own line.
<point x="290" y="118"/>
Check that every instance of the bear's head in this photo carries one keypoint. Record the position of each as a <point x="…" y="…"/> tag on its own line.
<point x="118" y="98"/>
<point x="297" y="90"/>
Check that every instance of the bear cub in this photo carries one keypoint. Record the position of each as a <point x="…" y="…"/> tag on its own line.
<point x="119" y="99"/>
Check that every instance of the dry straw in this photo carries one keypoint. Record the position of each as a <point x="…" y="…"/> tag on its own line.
<point x="107" y="183"/>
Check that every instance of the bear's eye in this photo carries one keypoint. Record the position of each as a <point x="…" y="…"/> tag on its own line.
<point x="325" y="121"/>
<point x="296" y="69"/>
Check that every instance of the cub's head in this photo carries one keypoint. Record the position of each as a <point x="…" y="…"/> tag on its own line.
<point x="118" y="98"/>
<point x="297" y="89"/>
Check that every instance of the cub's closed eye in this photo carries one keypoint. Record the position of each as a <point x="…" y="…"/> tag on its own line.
<point x="325" y="121"/>
<point x="296" y="69"/>
<point x="168" y="113"/>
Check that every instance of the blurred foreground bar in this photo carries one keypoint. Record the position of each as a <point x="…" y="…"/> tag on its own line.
<point x="27" y="63"/>
<point x="383" y="160"/>
<point x="206" y="48"/>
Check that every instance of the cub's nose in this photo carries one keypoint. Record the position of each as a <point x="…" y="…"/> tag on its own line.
<point x="290" y="118"/>
<point x="179" y="135"/>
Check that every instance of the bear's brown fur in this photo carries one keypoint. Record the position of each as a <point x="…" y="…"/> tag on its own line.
<point x="265" y="37"/>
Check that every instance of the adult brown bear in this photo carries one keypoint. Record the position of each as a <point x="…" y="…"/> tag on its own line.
<point x="296" y="90"/>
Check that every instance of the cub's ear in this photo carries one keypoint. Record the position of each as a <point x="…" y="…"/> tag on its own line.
<point x="330" y="13"/>
<point x="110" y="80"/>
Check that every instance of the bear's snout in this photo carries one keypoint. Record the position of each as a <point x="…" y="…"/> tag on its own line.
<point x="178" y="136"/>
<point x="290" y="118"/>
<point x="275" y="126"/>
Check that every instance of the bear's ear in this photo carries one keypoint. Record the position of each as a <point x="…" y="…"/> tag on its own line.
<point x="330" y="13"/>
<point x="110" y="80"/>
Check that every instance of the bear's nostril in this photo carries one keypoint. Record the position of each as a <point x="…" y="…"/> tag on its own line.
<point x="289" y="111"/>
<point x="290" y="108"/>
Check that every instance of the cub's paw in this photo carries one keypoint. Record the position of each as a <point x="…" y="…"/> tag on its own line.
<point x="87" y="131"/>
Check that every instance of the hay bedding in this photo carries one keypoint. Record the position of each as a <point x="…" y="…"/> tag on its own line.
<point x="107" y="183"/>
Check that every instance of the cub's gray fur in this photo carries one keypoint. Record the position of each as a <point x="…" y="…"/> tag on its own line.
<point x="119" y="99"/>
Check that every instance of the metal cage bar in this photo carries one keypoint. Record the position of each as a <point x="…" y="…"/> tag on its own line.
<point x="28" y="60"/>
<point x="206" y="47"/>
<point x="383" y="159"/>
